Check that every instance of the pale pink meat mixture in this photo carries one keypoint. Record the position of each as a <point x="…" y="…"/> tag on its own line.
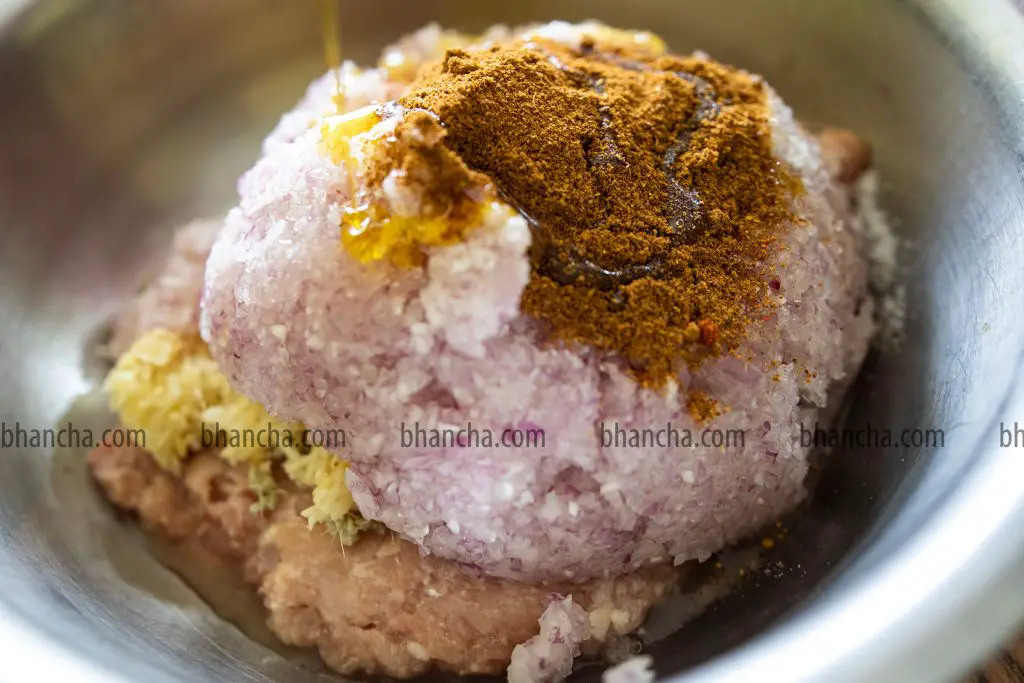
<point x="375" y="607"/>
<point x="303" y="328"/>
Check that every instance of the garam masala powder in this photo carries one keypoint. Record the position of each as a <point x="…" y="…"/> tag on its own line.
<point x="648" y="181"/>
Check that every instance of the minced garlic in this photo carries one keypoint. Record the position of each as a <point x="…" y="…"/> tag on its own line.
<point x="169" y="386"/>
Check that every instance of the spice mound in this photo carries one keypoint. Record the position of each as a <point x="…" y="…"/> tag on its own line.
<point x="649" y="183"/>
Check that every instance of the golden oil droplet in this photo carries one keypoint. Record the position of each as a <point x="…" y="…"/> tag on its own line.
<point x="337" y="131"/>
<point x="331" y="19"/>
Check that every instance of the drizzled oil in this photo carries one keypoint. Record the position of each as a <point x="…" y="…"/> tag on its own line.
<point x="330" y="21"/>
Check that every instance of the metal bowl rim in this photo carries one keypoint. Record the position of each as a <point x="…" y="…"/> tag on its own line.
<point x="964" y="551"/>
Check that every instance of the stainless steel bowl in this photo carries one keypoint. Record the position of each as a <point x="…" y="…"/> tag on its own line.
<point x="120" y="118"/>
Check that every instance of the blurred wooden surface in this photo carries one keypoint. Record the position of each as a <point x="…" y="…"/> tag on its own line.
<point x="1008" y="664"/>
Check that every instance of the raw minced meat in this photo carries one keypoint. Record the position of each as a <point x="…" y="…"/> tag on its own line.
<point x="377" y="606"/>
<point x="171" y="300"/>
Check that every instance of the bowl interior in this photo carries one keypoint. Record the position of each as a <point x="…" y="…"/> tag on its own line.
<point x="121" y="119"/>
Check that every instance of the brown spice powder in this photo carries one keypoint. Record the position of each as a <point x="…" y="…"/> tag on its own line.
<point x="649" y="183"/>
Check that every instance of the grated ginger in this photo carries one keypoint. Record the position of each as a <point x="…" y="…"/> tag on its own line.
<point x="168" y="386"/>
<point x="162" y="385"/>
<point x="330" y="495"/>
<point x="302" y="468"/>
<point x="239" y="415"/>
